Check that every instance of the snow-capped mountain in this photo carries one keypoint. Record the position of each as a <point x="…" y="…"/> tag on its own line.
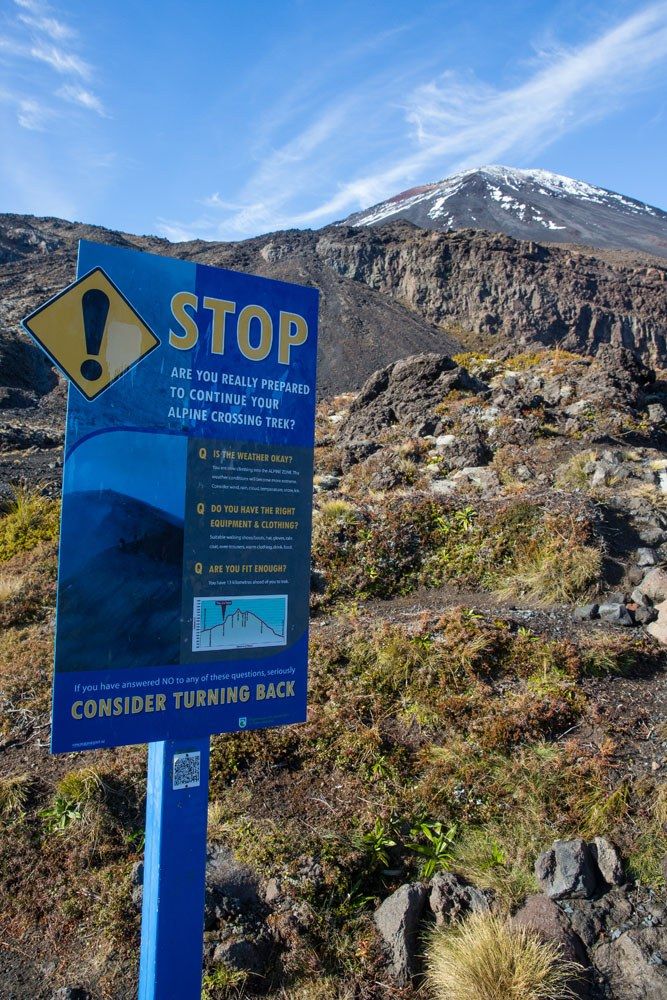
<point x="528" y="205"/>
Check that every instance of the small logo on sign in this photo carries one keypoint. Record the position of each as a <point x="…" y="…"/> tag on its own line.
<point x="243" y="722"/>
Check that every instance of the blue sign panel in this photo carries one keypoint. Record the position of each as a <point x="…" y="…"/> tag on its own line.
<point x="185" y="542"/>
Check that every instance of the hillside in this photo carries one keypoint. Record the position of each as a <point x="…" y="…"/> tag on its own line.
<point x="488" y="709"/>
<point x="527" y="205"/>
<point x="488" y="678"/>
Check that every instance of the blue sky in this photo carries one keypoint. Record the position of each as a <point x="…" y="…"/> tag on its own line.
<point x="223" y="120"/>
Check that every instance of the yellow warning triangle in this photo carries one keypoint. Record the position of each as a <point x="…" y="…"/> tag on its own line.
<point x="91" y="332"/>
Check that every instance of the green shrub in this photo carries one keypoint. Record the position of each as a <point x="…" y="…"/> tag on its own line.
<point x="76" y="791"/>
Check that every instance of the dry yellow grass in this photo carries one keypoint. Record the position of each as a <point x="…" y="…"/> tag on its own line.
<point x="486" y="958"/>
<point x="9" y="586"/>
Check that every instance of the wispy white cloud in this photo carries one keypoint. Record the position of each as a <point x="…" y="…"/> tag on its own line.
<point x="183" y="232"/>
<point x="281" y="176"/>
<point x="447" y="123"/>
<point x="84" y="98"/>
<point x="215" y="201"/>
<point x="61" y="61"/>
<point x="46" y="87"/>
<point x="32" y="115"/>
<point x="50" y="26"/>
<point x="37" y="35"/>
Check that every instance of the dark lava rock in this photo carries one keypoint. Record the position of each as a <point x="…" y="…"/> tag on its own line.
<point x="608" y="861"/>
<point x="587" y="612"/>
<point x="397" y="919"/>
<point x="543" y="917"/>
<point x="404" y="393"/>
<point x="451" y="898"/>
<point x="635" y="963"/>
<point x="243" y="954"/>
<point x="567" y="869"/>
<point x="616" y="614"/>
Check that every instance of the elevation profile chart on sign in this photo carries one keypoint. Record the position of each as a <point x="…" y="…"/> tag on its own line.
<point x="239" y="622"/>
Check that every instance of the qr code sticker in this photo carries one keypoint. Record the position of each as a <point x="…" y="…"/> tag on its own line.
<point x="187" y="770"/>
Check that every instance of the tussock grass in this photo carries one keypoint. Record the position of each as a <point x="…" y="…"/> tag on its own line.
<point x="78" y="796"/>
<point x="557" y="570"/>
<point x="28" y="520"/>
<point x="223" y="982"/>
<point x="486" y="958"/>
<point x="602" y="809"/>
<point x="519" y="552"/>
<point x="14" y="794"/>
<point x="333" y="512"/>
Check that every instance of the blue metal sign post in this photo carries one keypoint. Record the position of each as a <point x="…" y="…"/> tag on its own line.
<point x="172" y="920"/>
<point x="184" y="565"/>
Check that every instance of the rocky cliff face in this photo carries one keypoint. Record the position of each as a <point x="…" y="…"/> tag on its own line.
<point x="360" y="327"/>
<point x="494" y="288"/>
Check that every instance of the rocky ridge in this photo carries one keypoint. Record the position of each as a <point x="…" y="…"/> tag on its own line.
<point x="386" y="293"/>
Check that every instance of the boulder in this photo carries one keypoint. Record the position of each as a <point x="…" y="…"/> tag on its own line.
<point x="397" y="919"/>
<point x="567" y="869"/>
<point x="479" y="475"/>
<point x="406" y="393"/>
<point x="644" y="615"/>
<point x="272" y="891"/>
<point x="356" y="451"/>
<point x="651" y="534"/>
<point x="451" y="898"/>
<point x="658" y="628"/>
<point x="654" y="585"/>
<point x="646" y="556"/>
<point x="608" y="861"/>
<point x="616" y="614"/>
<point x="543" y="917"/>
<point x="586" y="612"/>
<point x="634" y="963"/>
<point x="444" y="441"/>
<point x="656" y="413"/>
<point x="444" y="487"/>
<point x="243" y="954"/>
<point x="327" y="481"/>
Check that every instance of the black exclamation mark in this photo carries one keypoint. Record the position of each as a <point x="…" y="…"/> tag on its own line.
<point x="95" y="306"/>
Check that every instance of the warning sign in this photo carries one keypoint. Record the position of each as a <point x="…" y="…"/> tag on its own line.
<point x="92" y="333"/>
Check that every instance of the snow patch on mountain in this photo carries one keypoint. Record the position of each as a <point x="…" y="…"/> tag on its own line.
<point x="527" y="204"/>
